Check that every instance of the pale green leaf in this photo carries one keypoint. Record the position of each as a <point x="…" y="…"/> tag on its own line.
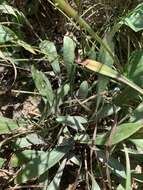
<point x="43" y="85"/>
<point x="69" y="53"/>
<point x="8" y="125"/>
<point x="135" y="18"/>
<point x="6" y="35"/>
<point x="83" y="90"/>
<point x="95" y="185"/>
<point x="48" y="48"/>
<point x="26" y="46"/>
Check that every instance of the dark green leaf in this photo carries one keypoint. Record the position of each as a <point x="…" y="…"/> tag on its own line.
<point x="43" y="162"/>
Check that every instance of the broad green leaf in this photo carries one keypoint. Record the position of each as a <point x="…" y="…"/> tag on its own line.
<point x="74" y="122"/>
<point x="135" y="18"/>
<point x="20" y="158"/>
<point x="6" y="35"/>
<point x="43" y="85"/>
<point x="69" y="53"/>
<point x="83" y="90"/>
<point x="109" y="72"/>
<point x="55" y="184"/>
<point x="43" y="162"/>
<point x="48" y="48"/>
<point x="29" y="140"/>
<point x="7" y="125"/>
<point x="123" y="132"/>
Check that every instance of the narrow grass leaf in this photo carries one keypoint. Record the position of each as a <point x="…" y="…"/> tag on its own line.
<point x="94" y="185"/>
<point x="26" y="46"/>
<point x="128" y="170"/>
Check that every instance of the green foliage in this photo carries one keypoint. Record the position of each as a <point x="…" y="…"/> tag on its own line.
<point x="87" y="127"/>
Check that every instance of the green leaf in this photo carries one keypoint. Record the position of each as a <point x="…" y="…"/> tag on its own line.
<point x="120" y="187"/>
<point x="74" y="122"/>
<point x="26" y="46"/>
<point x="43" y="85"/>
<point x="6" y="35"/>
<point x="48" y="48"/>
<point x="123" y="132"/>
<point x="114" y="164"/>
<point x="135" y="67"/>
<point x="128" y="170"/>
<point x="69" y="53"/>
<point x="43" y="162"/>
<point x="137" y="115"/>
<point x="20" y="158"/>
<point x="7" y="125"/>
<point x="55" y="184"/>
<point x="135" y="19"/>
<point x="7" y="9"/>
<point x="105" y="58"/>
<point x="83" y="90"/>
<point x="105" y="70"/>
<point x="107" y="110"/>
<point x="29" y="140"/>
<point x="138" y="143"/>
